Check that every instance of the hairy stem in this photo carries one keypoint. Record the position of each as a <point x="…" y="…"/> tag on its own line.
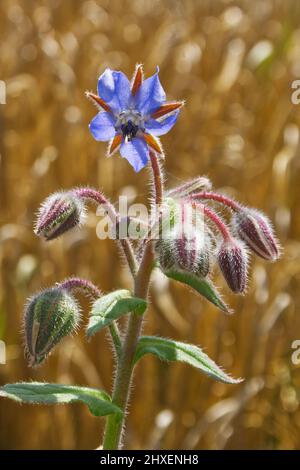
<point x="224" y="200"/>
<point x="115" y="336"/>
<point x="129" y="255"/>
<point x="121" y="393"/>
<point x="82" y="285"/>
<point x="191" y="187"/>
<point x="98" y="197"/>
<point x="217" y="221"/>
<point x="88" y="288"/>
<point x="158" y="180"/>
<point x="115" y="423"/>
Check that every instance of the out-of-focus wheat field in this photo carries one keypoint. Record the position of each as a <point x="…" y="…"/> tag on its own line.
<point x="234" y="63"/>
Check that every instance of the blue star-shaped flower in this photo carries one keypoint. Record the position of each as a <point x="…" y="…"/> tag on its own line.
<point x="132" y="115"/>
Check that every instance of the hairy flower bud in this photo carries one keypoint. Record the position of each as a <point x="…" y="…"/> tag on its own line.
<point x="165" y="253"/>
<point x="187" y="251"/>
<point x="59" y="213"/>
<point x="200" y="183"/>
<point x="233" y="260"/>
<point x="203" y="263"/>
<point x="256" y="231"/>
<point x="170" y="215"/>
<point x="49" y="316"/>
<point x="192" y="254"/>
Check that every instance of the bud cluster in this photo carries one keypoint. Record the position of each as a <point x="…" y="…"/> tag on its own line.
<point x="228" y="244"/>
<point x="189" y="251"/>
<point x="182" y="243"/>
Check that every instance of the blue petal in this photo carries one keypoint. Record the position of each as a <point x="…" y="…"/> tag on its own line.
<point x="157" y="128"/>
<point x="136" y="152"/>
<point x="150" y="95"/>
<point x="114" y="89"/>
<point x="103" y="126"/>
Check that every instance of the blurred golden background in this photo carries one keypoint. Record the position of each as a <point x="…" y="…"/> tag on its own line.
<point x="234" y="62"/>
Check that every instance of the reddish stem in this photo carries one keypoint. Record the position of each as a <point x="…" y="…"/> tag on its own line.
<point x="98" y="197"/>
<point x="88" y="288"/>
<point x="76" y="283"/>
<point x="226" y="201"/>
<point x="158" y="179"/>
<point x="216" y="220"/>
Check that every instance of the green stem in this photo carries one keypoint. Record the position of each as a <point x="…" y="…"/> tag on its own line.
<point x="129" y="255"/>
<point x="73" y="284"/>
<point x="98" y="197"/>
<point x="115" y="336"/>
<point x="115" y="423"/>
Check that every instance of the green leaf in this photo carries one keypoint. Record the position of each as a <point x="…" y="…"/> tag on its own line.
<point x="98" y="402"/>
<point x="170" y="350"/>
<point x="202" y="286"/>
<point x="112" y="306"/>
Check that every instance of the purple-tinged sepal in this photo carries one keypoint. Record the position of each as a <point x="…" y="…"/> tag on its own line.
<point x="255" y="229"/>
<point x="233" y="261"/>
<point x="188" y="251"/>
<point x="192" y="252"/>
<point x="59" y="213"/>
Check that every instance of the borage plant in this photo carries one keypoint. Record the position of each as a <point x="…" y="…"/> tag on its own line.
<point x="184" y="238"/>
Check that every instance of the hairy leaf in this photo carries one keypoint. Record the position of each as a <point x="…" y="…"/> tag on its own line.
<point x="202" y="286"/>
<point x="112" y="306"/>
<point x="170" y="350"/>
<point x="98" y="402"/>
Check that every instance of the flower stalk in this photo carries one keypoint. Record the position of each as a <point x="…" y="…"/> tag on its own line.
<point x="99" y="198"/>
<point x="220" y="198"/>
<point x="115" y="423"/>
<point x="217" y="221"/>
<point x="86" y="287"/>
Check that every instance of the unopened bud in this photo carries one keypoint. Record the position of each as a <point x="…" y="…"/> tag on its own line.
<point x="188" y="251"/>
<point x="165" y="253"/>
<point x="49" y="316"/>
<point x="170" y="216"/>
<point x="200" y="183"/>
<point x="59" y="213"/>
<point x="203" y="263"/>
<point x="256" y="231"/>
<point x="192" y="253"/>
<point x="233" y="260"/>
